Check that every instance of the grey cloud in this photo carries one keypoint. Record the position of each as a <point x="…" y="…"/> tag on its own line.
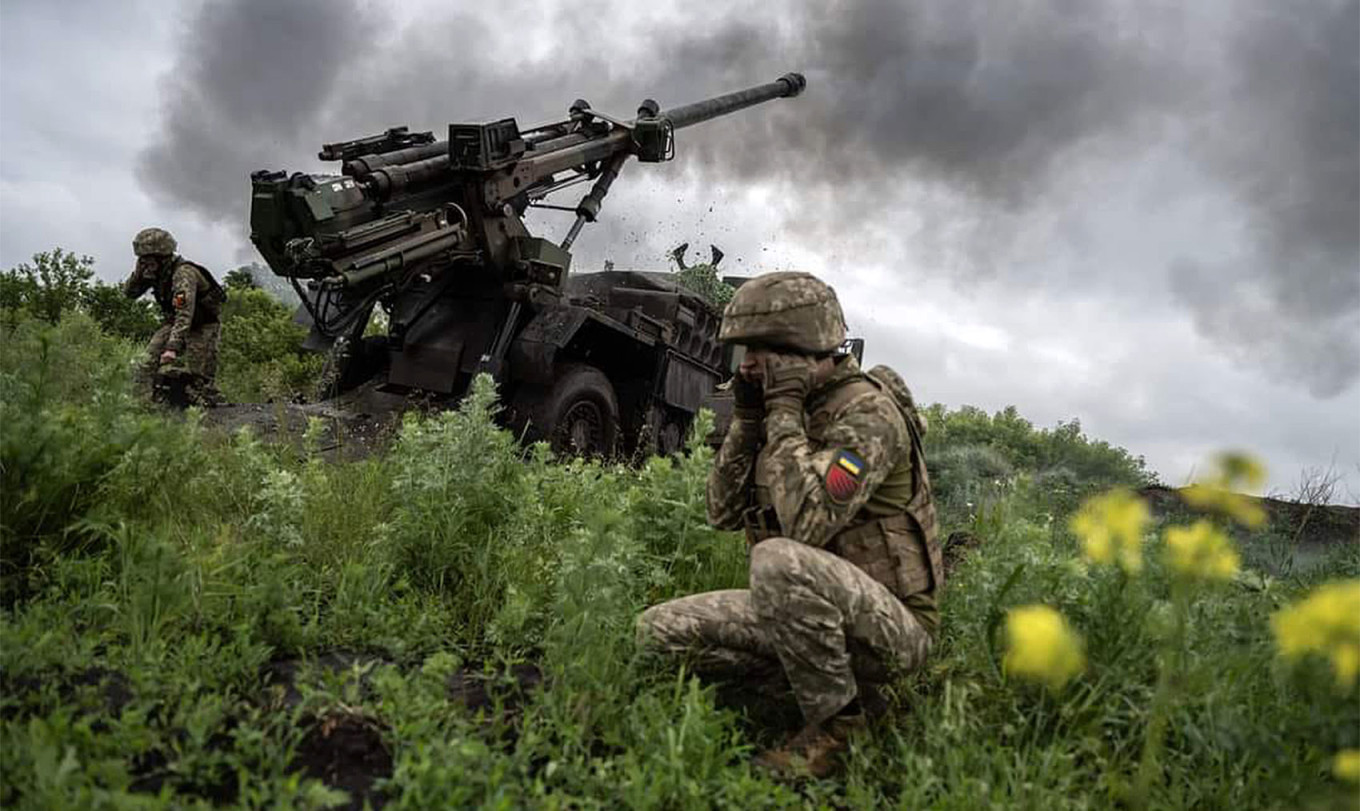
<point x="1289" y="149"/>
<point x="996" y="104"/>
<point x="250" y="80"/>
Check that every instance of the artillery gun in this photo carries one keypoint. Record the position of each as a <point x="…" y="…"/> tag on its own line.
<point x="432" y="232"/>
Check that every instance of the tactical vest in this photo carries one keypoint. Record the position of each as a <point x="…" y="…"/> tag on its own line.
<point x="893" y="538"/>
<point x="207" y="305"/>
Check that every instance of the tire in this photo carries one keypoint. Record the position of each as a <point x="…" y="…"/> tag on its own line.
<point x="578" y="415"/>
<point x="670" y="438"/>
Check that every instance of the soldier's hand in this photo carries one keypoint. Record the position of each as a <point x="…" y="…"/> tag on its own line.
<point x="168" y="356"/>
<point x="788" y="380"/>
<point x="748" y="399"/>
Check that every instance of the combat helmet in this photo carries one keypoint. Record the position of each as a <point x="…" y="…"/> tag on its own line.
<point x="153" y="242"/>
<point x="786" y="309"/>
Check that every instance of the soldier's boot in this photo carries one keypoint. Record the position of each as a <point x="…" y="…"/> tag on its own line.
<point x="813" y="750"/>
<point x="871" y="698"/>
<point x="201" y="392"/>
<point x="144" y="382"/>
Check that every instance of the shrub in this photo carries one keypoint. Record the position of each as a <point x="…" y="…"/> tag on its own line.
<point x="261" y="356"/>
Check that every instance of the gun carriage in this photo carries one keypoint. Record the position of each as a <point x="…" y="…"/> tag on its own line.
<point x="432" y="232"/>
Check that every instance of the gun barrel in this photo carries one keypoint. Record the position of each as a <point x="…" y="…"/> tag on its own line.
<point x="366" y="164"/>
<point x="786" y="86"/>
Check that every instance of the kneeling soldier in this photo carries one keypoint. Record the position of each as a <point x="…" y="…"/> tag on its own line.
<point x="823" y="467"/>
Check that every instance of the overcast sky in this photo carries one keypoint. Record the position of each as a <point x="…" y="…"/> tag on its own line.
<point x="1136" y="214"/>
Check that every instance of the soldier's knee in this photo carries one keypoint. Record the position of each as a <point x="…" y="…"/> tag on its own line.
<point x="646" y="631"/>
<point x="774" y="570"/>
<point x="773" y="559"/>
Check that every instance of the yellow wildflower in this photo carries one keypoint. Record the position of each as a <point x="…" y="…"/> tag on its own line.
<point x="1327" y="623"/>
<point x="1215" y="492"/>
<point x="1242" y="509"/>
<point x="1110" y="527"/>
<point x="1240" y="469"/>
<point x="1042" y="646"/>
<point x="1346" y="765"/>
<point x="1201" y="551"/>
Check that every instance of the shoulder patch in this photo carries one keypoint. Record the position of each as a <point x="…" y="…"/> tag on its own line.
<point x="844" y="475"/>
<point x="179" y="301"/>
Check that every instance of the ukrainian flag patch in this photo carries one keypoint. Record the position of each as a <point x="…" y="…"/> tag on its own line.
<point x="844" y="476"/>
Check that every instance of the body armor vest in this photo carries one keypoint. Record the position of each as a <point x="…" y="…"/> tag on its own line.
<point x="208" y="303"/>
<point x="893" y="538"/>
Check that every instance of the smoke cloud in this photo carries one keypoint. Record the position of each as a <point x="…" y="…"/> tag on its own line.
<point x="994" y="104"/>
<point x="251" y="79"/>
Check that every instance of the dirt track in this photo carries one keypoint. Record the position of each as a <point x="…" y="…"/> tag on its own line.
<point x="354" y="426"/>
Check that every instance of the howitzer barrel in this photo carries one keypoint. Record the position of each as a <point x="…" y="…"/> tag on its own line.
<point x="365" y="164"/>
<point x="788" y="85"/>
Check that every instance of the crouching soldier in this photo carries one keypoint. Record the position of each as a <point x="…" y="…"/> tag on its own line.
<point x="823" y="468"/>
<point x="182" y="354"/>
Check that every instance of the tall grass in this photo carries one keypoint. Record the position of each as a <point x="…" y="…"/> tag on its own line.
<point x="157" y="571"/>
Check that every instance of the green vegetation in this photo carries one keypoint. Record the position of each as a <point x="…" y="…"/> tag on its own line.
<point x="261" y="357"/>
<point x="160" y="580"/>
<point x="56" y="282"/>
<point x="703" y="281"/>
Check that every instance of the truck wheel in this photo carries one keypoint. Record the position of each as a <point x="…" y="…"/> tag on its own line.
<point x="671" y="438"/>
<point x="579" y="415"/>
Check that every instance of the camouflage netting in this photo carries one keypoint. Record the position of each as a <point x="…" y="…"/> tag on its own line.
<point x="703" y="281"/>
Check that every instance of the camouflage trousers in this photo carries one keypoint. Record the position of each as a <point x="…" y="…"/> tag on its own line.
<point x="826" y="623"/>
<point x="198" y="362"/>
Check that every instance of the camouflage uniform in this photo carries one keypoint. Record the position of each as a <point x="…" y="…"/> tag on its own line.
<point x="836" y="503"/>
<point x="191" y="306"/>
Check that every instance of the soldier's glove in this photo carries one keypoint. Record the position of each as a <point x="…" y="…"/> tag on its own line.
<point x="788" y="380"/>
<point x="168" y="356"/>
<point x="748" y="399"/>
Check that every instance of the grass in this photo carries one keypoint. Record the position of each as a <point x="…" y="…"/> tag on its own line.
<point x="157" y="577"/>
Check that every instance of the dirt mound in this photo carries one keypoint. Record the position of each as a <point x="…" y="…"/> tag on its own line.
<point x="354" y="426"/>
<point x="345" y="750"/>
<point x="1307" y="524"/>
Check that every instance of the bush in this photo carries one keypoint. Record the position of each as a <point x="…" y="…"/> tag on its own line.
<point x="58" y="282"/>
<point x="261" y="356"/>
<point x="973" y="456"/>
<point x="69" y="420"/>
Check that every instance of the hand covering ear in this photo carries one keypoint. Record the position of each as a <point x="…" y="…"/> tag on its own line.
<point x="788" y="380"/>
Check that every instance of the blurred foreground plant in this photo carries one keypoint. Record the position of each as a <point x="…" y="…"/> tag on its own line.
<point x="1042" y="647"/>
<point x="1110" y="527"/>
<point x="1216" y="492"/>
<point x="1327" y="622"/>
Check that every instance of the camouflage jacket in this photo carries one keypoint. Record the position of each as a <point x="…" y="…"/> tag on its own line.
<point x="829" y="474"/>
<point x="188" y="297"/>
<point x="779" y="457"/>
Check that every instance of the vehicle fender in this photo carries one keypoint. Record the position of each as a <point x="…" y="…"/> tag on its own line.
<point x="534" y="350"/>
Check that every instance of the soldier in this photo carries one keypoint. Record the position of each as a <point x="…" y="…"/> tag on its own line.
<point x="823" y="468"/>
<point x="185" y="345"/>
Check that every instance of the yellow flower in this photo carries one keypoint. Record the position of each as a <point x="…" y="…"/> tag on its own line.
<point x="1215" y="492"/>
<point x="1110" y="527"/>
<point x="1201" y="551"/>
<point x="1327" y="623"/>
<point x="1042" y="646"/>
<point x="1241" y="469"/>
<point x="1346" y="765"/>
<point x="1242" y="509"/>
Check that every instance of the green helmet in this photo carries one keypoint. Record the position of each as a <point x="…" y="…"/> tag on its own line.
<point x="788" y="309"/>
<point x="153" y="242"/>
